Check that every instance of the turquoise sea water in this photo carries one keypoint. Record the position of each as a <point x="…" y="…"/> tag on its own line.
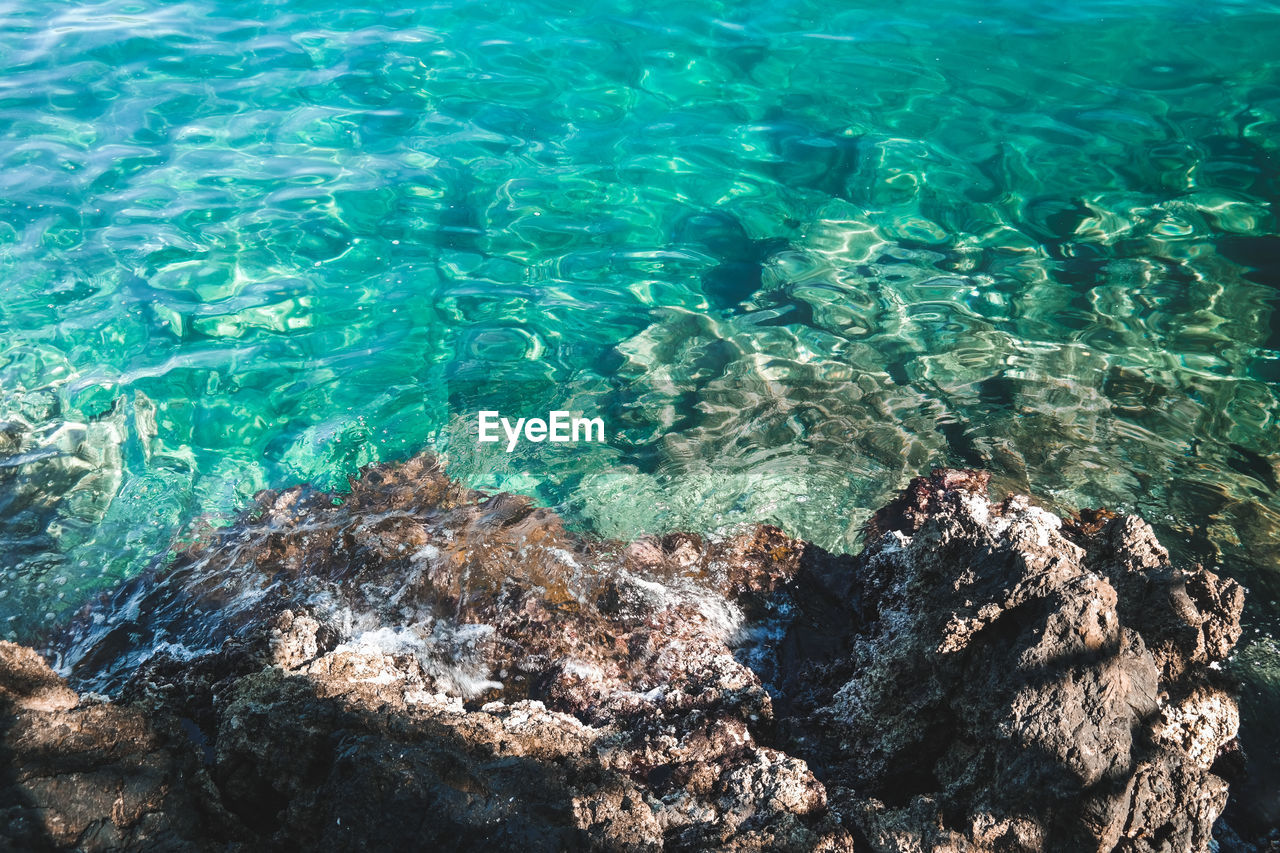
<point x="793" y="254"/>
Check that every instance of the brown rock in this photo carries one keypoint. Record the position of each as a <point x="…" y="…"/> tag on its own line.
<point x="414" y="665"/>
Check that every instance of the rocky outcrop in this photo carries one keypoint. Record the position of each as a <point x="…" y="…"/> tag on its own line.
<point x="414" y="665"/>
<point x="1009" y="688"/>
<point x="78" y="772"/>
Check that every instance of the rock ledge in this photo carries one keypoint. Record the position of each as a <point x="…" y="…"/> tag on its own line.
<point x="419" y="666"/>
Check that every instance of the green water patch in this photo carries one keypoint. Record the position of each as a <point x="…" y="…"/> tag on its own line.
<point x="792" y="254"/>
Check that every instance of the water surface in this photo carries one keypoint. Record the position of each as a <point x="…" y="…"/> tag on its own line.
<point x="792" y="253"/>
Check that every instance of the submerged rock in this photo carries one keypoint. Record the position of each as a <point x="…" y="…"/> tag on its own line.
<point x="414" y="665"/>
<point x="58" y="477"/>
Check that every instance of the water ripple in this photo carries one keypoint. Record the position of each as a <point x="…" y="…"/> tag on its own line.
<point x="793" y="254"/>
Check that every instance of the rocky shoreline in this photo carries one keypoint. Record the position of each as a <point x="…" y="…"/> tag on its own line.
<point x="414" y="665"/>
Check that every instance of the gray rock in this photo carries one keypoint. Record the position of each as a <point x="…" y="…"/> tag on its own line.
<point x="1008" y="688"/>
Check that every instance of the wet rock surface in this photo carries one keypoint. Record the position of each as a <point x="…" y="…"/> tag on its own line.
<point x="414" y="665"/>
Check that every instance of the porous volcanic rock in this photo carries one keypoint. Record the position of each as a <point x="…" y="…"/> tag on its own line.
<point x="413" y="665"/>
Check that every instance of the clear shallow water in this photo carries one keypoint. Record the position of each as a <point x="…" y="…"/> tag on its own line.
<point x="792" y="253"/>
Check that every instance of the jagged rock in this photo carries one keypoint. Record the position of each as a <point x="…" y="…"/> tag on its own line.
<point x="416" y="665"/>
<point x="1006" y="688"/>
